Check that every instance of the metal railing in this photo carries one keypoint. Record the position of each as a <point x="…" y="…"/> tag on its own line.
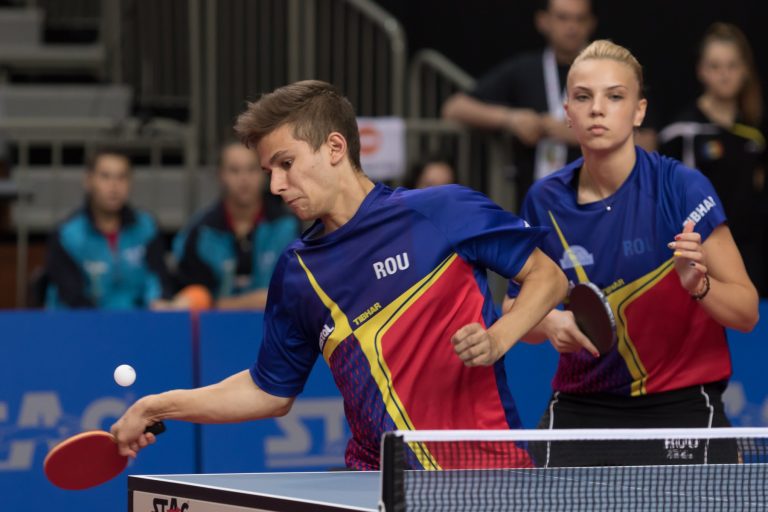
<point x="483" y="160"/>
<point x="70" y="14"/>
<point x="254" y="46"/>
<point x="201" y="59"/>
<point x="197" y="61"/>
<point x="432" y="79"/>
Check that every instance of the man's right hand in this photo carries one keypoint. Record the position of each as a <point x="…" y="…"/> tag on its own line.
<point x="129" y="430"/>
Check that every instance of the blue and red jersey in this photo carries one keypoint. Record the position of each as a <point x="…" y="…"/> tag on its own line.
<point x="379" y="298"/>
<point x="666" y="340"/>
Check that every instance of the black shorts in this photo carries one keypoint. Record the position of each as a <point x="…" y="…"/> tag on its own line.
<point x="693" y="407"/>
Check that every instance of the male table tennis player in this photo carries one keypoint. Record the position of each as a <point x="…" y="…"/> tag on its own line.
<point x="389" y="286"/>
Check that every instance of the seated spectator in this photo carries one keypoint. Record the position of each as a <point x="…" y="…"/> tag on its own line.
<point x="106" y="254"/>
<point x="432" y="171"/>
<point x="232" y="247"/>
<point x="718" y="133"/>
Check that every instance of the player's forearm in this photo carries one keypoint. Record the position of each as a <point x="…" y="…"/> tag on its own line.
<point x="253" y="300"/>
<point x="234" y="399"/>
<point x="542" y="289"/>
<point x="732" y="305"/>
<point x="539" y="332"/>
<point x="475" y="113"/>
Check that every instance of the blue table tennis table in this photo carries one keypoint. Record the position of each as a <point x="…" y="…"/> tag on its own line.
<point x="637" y="488"/>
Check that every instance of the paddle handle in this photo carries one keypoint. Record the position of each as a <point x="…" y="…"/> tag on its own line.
<point x="155" y="428"/>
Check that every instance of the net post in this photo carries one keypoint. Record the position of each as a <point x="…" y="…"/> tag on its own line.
<point x="392" y="473"/>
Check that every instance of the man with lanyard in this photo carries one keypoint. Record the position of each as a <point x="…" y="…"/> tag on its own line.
<point x="232" y="247"/>
<point x="106" y="254"/>
<point x="524" y="95"/>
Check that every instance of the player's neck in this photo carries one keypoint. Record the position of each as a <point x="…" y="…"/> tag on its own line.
<point x="352" y="192"/>
<point x="243" y="212"/>
<point x="722" y="111"/>
<point x="242" y="216"/>
<point x="607" y="171"/>
<point x="106" y="222"/>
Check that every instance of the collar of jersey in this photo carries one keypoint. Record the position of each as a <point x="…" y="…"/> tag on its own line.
<point x="612" y="200"/>
<point x="309" y="238"/>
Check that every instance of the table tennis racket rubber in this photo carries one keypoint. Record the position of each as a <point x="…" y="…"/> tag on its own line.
<point x="87" y="459"/>
<point x="593" y="315"/>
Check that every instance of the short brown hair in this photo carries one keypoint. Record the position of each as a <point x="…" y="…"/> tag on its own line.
<point x="314" y="108"/>
<point x="93" y="158"/>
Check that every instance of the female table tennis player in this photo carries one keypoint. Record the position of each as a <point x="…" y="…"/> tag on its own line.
<point x="653" y="235"/>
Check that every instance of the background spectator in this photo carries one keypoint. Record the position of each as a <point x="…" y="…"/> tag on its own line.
<point x="718" y="134"/>
<point x="232" y="246"/>
<point x="432" y="171"/>
<point x="106" y="254"/>
<point x="524" y="95"/>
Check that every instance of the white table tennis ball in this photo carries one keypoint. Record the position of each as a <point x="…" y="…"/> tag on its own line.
<point x="125" y="375"/>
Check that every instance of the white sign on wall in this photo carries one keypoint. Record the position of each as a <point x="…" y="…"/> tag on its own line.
<point x="382" y="147"/>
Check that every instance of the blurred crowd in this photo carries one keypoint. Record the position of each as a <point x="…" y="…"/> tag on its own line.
<point x="108" y="254"/>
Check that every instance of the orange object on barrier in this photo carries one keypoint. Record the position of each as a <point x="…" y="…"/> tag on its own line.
<point x="197" y="297"/>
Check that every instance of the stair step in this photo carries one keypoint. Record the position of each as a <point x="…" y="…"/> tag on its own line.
<point x="57" y="57"/>
<point x="24" y="105"/>
<point x="20" y="26"/>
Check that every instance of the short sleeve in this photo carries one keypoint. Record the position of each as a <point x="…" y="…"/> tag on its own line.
<point x="529" y="214"/>
<point x="286" y="357"/>
<point x="698" y="200"/>
<point x="482" y="233"/>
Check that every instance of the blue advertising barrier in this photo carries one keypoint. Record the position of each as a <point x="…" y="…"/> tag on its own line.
<point x="311" y="437"/>
<point x="56" y="380"/>
<point x="530" y="369"/>
<point x="746" y="399"/>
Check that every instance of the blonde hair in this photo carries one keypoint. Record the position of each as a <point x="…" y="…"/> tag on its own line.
<point x="605" y="49"/>
<point x="751" y="95"/>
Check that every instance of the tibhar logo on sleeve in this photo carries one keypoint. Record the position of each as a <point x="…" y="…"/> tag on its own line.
<point x="701" y="210"/>
<point x="391" y="265"/>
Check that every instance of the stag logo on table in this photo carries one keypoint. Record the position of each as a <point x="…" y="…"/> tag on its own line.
<point x="170" y="505"/>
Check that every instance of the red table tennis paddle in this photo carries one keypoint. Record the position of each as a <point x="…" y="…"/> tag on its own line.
<point x="88" y="459"/>
<point x="593" y="315"/>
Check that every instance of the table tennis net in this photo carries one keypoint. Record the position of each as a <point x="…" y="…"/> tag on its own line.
<point x="576" y="470"/>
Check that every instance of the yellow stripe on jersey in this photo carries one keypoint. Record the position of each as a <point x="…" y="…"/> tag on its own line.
<point x="581" y="274"/>
<point x="342" y="329"/>
<point x="370" y="335"/>
<point x="620" y="300"/>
